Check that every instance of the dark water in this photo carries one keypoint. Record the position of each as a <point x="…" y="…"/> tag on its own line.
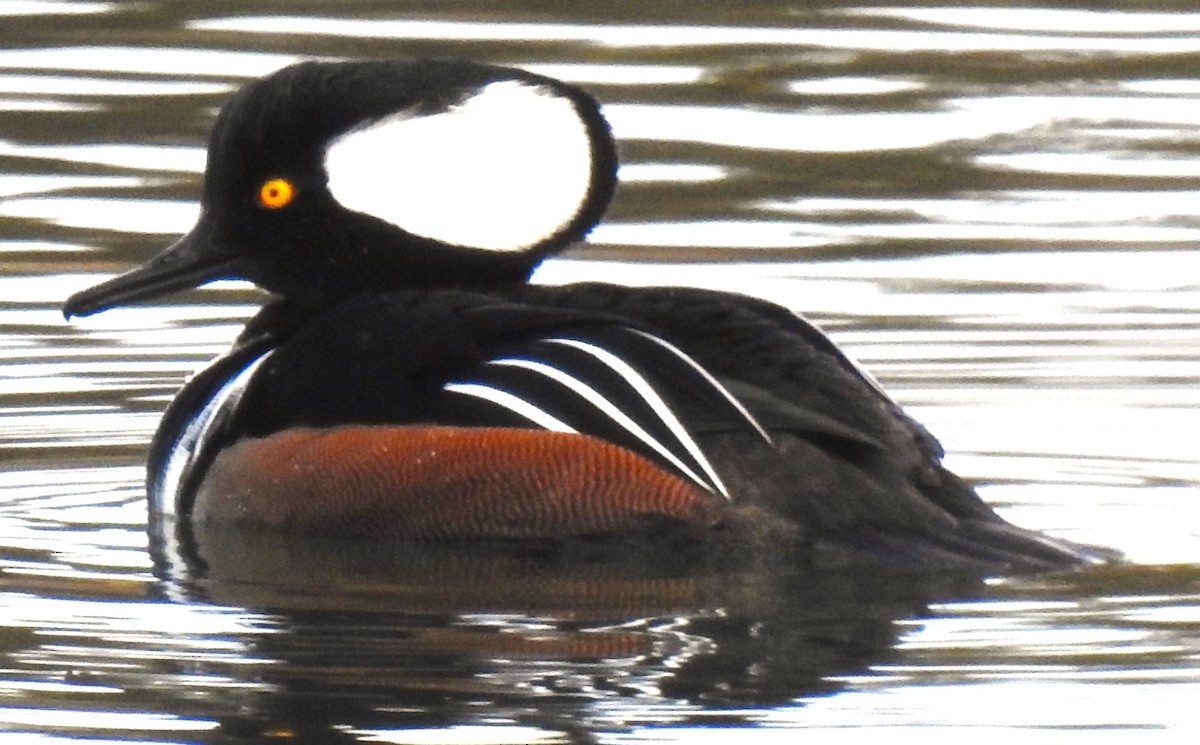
<point x="995" y="210"/>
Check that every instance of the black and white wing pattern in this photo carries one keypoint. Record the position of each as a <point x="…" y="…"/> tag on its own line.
<point x="620" y="384"/>
<point x="452" y="359"/>
<point x="200" y="421"/>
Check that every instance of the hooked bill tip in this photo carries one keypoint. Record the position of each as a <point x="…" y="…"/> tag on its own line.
<point x="82" y="303"/>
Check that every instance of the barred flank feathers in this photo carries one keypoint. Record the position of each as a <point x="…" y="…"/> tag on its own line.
<point x="425" y="482"/>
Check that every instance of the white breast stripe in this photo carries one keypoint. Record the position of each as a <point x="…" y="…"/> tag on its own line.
<point x="660" y="407"/>
<point x="595" y="398"/>
<point x="197" y="435"/>
<point x="716" y="384"/>
<point x="503" y="171"/>
<point x="513" y="403"/>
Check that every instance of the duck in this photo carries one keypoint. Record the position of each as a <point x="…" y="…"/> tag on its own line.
<point x="406" y="381"/>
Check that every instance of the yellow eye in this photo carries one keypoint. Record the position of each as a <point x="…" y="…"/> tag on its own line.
<point x="276" y="193"/>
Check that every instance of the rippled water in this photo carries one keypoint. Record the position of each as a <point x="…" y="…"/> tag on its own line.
<point x="995" y="210"/>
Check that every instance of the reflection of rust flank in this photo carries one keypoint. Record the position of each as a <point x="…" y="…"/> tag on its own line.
<point x="445" y="482"/>
<point x="476" y="643"/>
<point x="368" y="676"/>
<point x="561" y="598"/>
<point x="282" y="571"/>
<point x="504" y="595"/>
<point x="584" y="645"/>
<point x="462" y="685"/>
<point x="580" y="599"/>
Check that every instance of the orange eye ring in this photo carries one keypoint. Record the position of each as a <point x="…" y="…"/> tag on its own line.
<point x="276" y="193"/>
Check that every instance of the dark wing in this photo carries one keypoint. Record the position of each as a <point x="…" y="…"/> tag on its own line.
<point x="849" y="465"/>
<point x="711" y="404"/>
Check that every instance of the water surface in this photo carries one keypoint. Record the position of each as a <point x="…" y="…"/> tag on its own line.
<point x="993" y="209"/>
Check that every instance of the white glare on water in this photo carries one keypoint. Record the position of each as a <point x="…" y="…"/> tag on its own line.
<point x="684" y="35"/>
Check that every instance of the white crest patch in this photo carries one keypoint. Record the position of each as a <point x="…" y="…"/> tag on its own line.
<point x="502" y="171"/>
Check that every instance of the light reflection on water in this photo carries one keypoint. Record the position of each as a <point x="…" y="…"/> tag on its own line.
<point x="147" y="62"/>
<point x="133" y="157"/>
<point x="683" y="35"/>
<point x="992" y="209"/>
<point x="1022" y="21"/>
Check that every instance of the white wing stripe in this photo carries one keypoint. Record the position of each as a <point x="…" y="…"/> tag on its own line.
<point x="660" y="407"/>
<point x="190" y="443"/>
<point x="513" y="403"/>
<point x="594" y="397"/>
<point x="707" y="376"/>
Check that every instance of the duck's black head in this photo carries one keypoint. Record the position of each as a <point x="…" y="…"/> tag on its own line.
<point x="325" y="180"/>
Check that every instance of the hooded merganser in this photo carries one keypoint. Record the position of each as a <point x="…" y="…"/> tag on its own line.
<point x="408" y="382"/>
